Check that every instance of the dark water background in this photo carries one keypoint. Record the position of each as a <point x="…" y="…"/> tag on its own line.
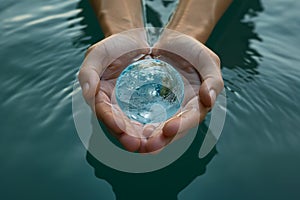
<point x="257" y="157"/>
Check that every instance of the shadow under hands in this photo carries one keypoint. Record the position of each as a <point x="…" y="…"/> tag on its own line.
<point x="165" y="183"/>
<point x="231" y="41"/>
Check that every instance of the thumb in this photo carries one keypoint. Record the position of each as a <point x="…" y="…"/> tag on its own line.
<point x="209" y="90"/>
<point x="90" y="81"/>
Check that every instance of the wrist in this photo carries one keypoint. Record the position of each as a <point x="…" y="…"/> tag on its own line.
<point x="197" y="18"/>
<point x="115" y="16"/>
<point x="200" y="31"/>
<point x="111" y="26"/>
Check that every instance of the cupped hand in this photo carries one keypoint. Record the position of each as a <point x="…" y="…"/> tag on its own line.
<point x="103" y="63"/>
<point x="203" y="82"/>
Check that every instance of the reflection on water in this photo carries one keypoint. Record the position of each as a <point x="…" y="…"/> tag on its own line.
<point x="168" y="182"/>
<point x="89" y="24"/>
<point x="42" y="46"/>
<point x="235" y="32"/>
<point x="231" y="40"/>
<point x="162" y="184"/>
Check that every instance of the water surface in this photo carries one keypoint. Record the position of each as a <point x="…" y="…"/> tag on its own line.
<point x="257" y="157"/>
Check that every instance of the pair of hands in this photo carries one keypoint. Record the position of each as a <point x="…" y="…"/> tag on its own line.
<point x="105" y="60"/>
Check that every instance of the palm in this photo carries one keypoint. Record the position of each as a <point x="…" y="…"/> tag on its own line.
<point x="104" y="60"/>
<point x="190" y="113"/>
<point x="129" y="133"/>
<point x="202" y="84"/>
<point x="148" y="138"/>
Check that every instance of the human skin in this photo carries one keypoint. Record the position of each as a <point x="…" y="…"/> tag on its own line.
<point x="196" y="19"/>
<point x="115" y="16"/>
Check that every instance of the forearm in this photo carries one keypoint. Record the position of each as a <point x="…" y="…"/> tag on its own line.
<point x="115" y="16"/>
<point x="198" y="18"/>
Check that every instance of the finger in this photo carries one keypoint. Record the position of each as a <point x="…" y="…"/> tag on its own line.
<point x="130" y="143"/>
<point x="89" y="74"/>
<point x="203" y="59"/>
<point x="99" y="57"/>
<point x="90" y="82"/>
<point x="209" y="89"/>
<point x="157" y="142"/>
<point x="102" y="54"/>
<point x="177" y="127"/>
<point x="143" y="142"/>
<point x="193" y="113"/>
<point x="212" y="83"/>
<point x="185" y="121"/>
<point x="148" y="130"/>
<point x="115" y="123"/>
<point x="105" y="114"/>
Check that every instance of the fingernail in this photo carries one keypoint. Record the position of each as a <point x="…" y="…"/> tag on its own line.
<point x="148" y="130"/>
<point x="213" y="96"/>
<point x="85" y="88"/>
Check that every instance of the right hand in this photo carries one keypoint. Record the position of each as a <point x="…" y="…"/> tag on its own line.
<point x="98" y="74"/>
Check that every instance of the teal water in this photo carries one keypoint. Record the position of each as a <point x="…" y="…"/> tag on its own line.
<point x="257" y="157"/>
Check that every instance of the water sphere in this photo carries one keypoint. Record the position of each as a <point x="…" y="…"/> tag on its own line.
<point x="149" y="91"/>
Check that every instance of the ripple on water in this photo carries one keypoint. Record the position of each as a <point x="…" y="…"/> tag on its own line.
<point x="40" y="66"/>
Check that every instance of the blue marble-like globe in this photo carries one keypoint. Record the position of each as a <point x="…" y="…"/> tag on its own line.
<point x="149" y="91"/>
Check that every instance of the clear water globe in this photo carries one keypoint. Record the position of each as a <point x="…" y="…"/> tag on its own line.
<point x="149" y="91"/>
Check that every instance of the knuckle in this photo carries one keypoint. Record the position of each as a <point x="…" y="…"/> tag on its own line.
<point x="213" y="56"/>
<point x="217" y="59"/>
<point x="220" y="82"/>
<point x="81" y="74"/>
<point x="91" y="48"/>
